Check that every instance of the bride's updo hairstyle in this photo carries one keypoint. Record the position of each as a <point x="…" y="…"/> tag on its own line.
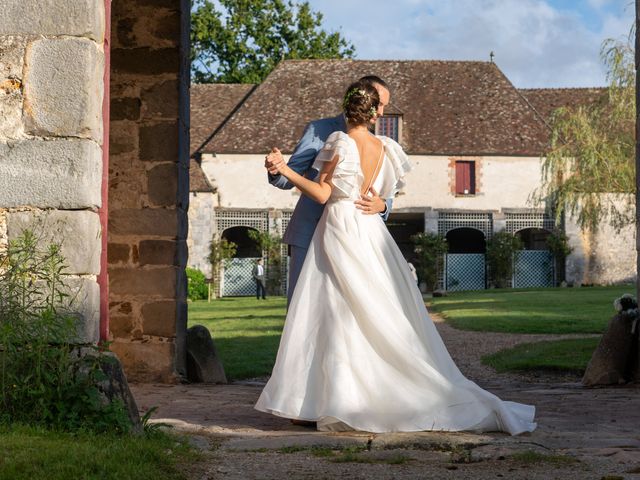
<point x="360" y="103"/>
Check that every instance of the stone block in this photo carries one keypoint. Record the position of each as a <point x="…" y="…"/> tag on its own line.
<point x="203" y="361"/>
<point x="162" y="185"/>
<point x="121" y="326"/>
<point x="118" y="253"/>
<point x="147" y="362"/>
<point x="84" y="295"/>
<point x="145" y="61"/>
<point x="127" y="108"/>
<point x="159" y="142"/>
<point x="63" y="88"/>
<point x="157" y="252"/>
<point x="81" y="18"/>
<point x="12" y="51"/>
<point x="77" y="231"/>
<point x="159" y="318"/>
<point x="152" y="282"/>
<point x="147" y="221"/>
<point x="161" y="100"/>
<point x="63" y="174"/>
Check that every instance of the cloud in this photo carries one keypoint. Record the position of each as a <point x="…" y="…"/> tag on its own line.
<point x="536" y="42"/>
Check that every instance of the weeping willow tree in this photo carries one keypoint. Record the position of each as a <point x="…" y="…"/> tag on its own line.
<point x="589" y="168"/>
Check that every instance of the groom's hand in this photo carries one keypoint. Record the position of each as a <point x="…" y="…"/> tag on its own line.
<point x="274" y="161"/>
<point x="371" y="204"/>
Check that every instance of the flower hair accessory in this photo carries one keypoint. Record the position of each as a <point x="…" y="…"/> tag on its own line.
<point x="351" y="93"/>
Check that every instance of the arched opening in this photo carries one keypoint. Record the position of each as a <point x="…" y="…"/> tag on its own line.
<point x="466" y="240"/>
<point x="246" y="247"/>
<point x="534" y="264"/>
<point x="236" y="274"/>
<point x="465" y="262"/>
<point x="534" y="238"/>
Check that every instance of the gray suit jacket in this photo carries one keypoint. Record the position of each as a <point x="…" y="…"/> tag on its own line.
<point x="307" y="212"/>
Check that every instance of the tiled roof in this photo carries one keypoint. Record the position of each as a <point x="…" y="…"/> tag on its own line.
<point x="211" y="104"/>
<point x="547" y="100"/>
<point x="448" y="107"/>
<point x="197" y="179"/>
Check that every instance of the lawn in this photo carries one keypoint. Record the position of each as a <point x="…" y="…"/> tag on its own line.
<point x="246" y="332"/>
<point x="570" y="355"/>
<point x="34" y="453"/>
<point x="559" y="310"/>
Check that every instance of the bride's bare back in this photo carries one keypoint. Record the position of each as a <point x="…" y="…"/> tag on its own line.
<point x="371" y="151"/>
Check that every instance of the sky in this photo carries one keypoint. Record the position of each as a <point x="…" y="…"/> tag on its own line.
<point x="536" y="43"/>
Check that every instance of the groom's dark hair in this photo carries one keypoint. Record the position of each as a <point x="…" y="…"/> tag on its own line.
<point x="371" y="79"/>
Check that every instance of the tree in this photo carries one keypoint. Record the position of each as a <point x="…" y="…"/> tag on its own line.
<point x="592" y="150"/>
<point x="271" y="245"/>
<point x="220" y="250"/>
<point x="241" y="41"/>
<point x="430" y="249"/>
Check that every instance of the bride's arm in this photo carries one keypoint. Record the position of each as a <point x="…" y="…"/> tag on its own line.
<point x="319" y="189"/>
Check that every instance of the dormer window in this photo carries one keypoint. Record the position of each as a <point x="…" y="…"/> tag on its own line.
<point x="389" y="126"/>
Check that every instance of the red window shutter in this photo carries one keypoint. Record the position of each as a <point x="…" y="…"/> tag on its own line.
<point x="465" y="178"/>
<point x="459" y="178"/>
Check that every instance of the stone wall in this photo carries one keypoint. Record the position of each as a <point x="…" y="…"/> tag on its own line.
<point x="148" y="186"/>
<point x="201" y="229"/>
<point x="51" y="92"/>
<point x="604" y="257"/>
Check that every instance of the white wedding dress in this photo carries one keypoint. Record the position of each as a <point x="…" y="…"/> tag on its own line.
<point x="359" y="350"/>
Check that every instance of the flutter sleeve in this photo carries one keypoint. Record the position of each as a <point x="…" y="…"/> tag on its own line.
<point x="399" y="163"/>
<point x="346" y="177"/>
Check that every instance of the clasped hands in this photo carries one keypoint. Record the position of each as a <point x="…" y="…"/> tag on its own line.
<point x="369" y="204"/>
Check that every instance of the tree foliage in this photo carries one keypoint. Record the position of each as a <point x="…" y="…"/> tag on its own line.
<point x="220" y="250"/>
<point x="241" y="41"/>
<point x="589" y="168"/>
<point x="430" y="249"/>
<point x="501" y="252"/>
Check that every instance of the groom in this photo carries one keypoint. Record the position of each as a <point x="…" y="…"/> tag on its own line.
<point x="307" y="212"/>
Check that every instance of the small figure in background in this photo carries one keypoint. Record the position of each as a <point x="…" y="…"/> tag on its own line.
<point x="258" y="276"/>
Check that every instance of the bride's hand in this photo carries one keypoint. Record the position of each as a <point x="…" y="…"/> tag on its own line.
<point x="274" y="162"/>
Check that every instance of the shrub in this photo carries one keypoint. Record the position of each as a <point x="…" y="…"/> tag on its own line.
<point x="197" y="288"/>
<point x="272" y="246"/>
<point x="44" y="380"/>
<point x="501" y="250"/>
<point x="430" y="249"/>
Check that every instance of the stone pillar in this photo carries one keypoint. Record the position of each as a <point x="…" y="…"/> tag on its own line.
<point x="51" y="91"/>
<point x="499" y="222"/>
<point x="148" y="186"/>
<point x="431" y="221"/>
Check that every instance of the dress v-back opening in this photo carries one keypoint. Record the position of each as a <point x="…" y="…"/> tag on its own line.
<point x="376" y="169"/>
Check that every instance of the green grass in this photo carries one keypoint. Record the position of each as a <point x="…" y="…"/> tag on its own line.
<point x="559" y="310"/>
<point x="534" y="458"/>
<point x="246" y="332"/>
<point x="32" y="453"/>
<point x="571" y="355"/>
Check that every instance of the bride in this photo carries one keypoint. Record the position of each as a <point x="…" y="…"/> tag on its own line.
<point x="358" y="349"/>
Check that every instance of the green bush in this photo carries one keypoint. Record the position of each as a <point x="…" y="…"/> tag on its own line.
<point x="430" y="249"/>
<point x="43" y="378"/>
<point x="501" y="251"/>
<point x="197" y="288"/>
